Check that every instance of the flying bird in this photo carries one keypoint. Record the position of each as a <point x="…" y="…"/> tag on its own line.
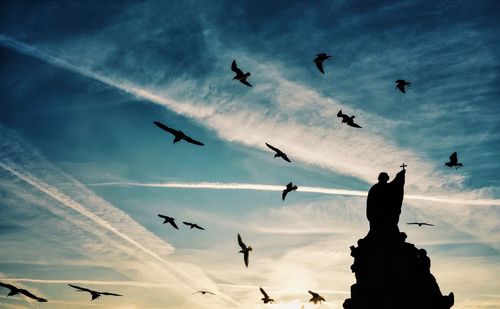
<point x="169" y="220"/>
<point x="420" y="223"/>
<point x="401" y="84"/>
<point x="279" y="153"/>
<point x="266" y="299"/>
<point x="316" y="297"/>
<point x="319" y="61"/>
<point x="94" y="294"/>
<point x="242" y="77"/>
<point x="244" y="249"/>
<point x="289" y="188"/>
<point x="348" y="120"/>
<point x="179" y="135"/>
<point x="204" y="292"/>
<point x="453" y="161"/>
<point x="193" y="225"/>
<point x="15" y="291"/>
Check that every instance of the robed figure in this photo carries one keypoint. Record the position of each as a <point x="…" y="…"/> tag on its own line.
<point x="384" y="203"/>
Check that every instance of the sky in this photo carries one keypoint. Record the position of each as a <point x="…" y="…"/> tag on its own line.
<point x="84" y="171"/>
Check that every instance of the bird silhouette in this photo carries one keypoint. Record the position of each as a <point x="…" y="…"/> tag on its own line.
<point x="319" y="61"/>
<point x="266" y="299"/>
<point x="94" y="294"/>
<point x="244" y="249"/>
<point x="204" y="292"/>
<point x="348" y="120"/>
<point x="420" y="223"/>
<point x="289" y="188"/>
<point x="169" y="220"/>
<point x="279" y="153"/>
<point x="193" y="225"/>
<point x="316" y="297"/>
<point x="454" y="161"/>
<point x="242" y="77"/>
<point x="14" y="291"/>
<point x="401" y="83"/>
<point x="179" y="135"/>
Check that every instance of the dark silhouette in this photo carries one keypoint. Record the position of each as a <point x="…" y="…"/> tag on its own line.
<point x="319" y="61"/>
<point x="391" y="273"/>
<point x="348" y="120"/>
<point x="169" y="220"/>
<point x="244" y="249"/>
<point x="242" y="77"/>
<point x="15" y="291"/>
<point x="266" y="299"/>
<point x="204" y="292"/>
<point x="420" y="223"/>
<point x="94" y="294"/>
<point x="453" y="161"/>
<point x="279" y="153"/>
<point x="401" y="83"/>
<point x="316" y="297"/>
<point x="179" y="135"/>
<point x="289" y="188"/>
<point x="193" y="225"/>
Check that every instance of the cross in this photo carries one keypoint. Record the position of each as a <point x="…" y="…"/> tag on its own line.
<point x="403" y="166"/>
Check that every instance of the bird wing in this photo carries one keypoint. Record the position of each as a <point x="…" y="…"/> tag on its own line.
<point x="353" y="124"/>
<point x="197" y="292"/>
<point x="209" y="292"/>
<point x="172" y="223"/>
<point x="108" y="293"/>
<point x="454" y="158"/>
<point x="164" y="217"/>
<point x="187" y="223"/>
<point x="24" y="292"/>
<point x="427" y="224"/>
<point x="245" y="257"/>
<point x="241" y="243"/>
<point x="339" y="114"/>
<point x="401" y="88"/>
<point x="412" y="223"/>
<point x="273" y="148"/>
<point x="264" y="292"/>
<point x="192" y="141"/>
<point x="283" y="195"/>
<point x="244" y="82"/>
<point x="319" y="65"/>
<point x="198" y="227"/>
<point x="235" y="69"/>
<point x="8" y="286"/>
<point x="313" y="294"/>
<point x="285" y="157"/>
<point x="164" y="127"/>
<point x="80" y="288"/>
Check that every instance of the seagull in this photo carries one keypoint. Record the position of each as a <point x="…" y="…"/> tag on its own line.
<point x="204" y="292"/>
<point x="289" y="188"/>
<point x="401" y="83"/>
<point x="193" y="225"/>
<point x="316" y="297"/>
<point x="420" y="223"/>
<point x="244" y="249"/>
<point x="279" y="153"/>
<point x="95" y="294"/>
<point x="179" y="135"/>
<point x="453" y="161"/>
<point x="348" y="120"/>
<point x="169" y="220"/>
<point x="239" y="74"/>
<point x="266" y="298"/>
<point x="15" y="291"/>
<point x="319" y="61"/>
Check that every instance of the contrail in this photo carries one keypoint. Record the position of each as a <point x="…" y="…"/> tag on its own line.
<point x="262" y="187"/>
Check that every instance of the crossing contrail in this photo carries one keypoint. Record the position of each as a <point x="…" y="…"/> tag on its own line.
<point x="321" y="190"/>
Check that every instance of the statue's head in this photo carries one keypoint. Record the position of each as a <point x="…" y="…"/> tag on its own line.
<point x="383" y="177"/>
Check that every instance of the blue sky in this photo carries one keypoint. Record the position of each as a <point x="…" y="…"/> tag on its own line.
<point x="81" y="85"/>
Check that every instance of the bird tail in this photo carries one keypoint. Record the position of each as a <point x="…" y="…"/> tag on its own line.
<point x="339" y="114"/>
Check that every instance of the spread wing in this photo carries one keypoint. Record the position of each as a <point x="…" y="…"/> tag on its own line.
<point x="235" y="68"/>
<point x="285" y="157"/>
<point x="164" y="217"/>
<point x="8" y="286"/>
<point x="172" y="222"/>
<point x="319" y="65"/>
<point x="107" y="293"/>
<point x="244" y="82"/>
<point x="273" y="148"/>
<point x="283" y="195"/>
<point x="264" y="292"/>
<point x="80" y="288"/>
<point x="427" y="224"/>
<point x="401" y="88"/>
<point x="454" y="158"/>
<point x="192" y="141"/>
<point x="187" y="223"/>
<point x="198" y="227"/>
<point x="416" y="223"/>
<point x="24" y="292"/>
<point x="353" y="124"/>
<point x="164" y="127"/>
<point x="313" y="294"/>
<point x="209" y="292"/>
<point x="241" y="243"/>
<point x="245" y="257"/>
